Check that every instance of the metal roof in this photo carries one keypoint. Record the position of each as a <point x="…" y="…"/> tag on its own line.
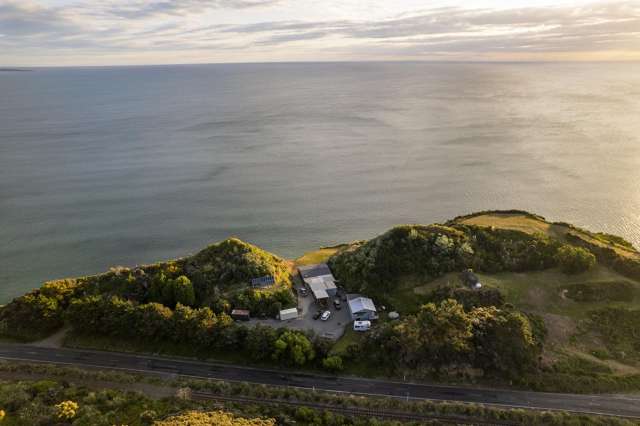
<point x="360" y="304"/>
<point x="309" y="271"/>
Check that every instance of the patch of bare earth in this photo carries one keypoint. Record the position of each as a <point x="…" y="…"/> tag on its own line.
<point x="53" y="341"/>
<point x="560" y="328"/>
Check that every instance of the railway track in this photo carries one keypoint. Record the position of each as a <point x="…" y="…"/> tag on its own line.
<point x="353" y="411"/>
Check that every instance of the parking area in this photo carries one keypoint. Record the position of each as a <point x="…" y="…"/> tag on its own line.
<point x="333" y="328"/>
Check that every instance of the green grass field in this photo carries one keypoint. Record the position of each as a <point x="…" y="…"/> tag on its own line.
<point x="318" y="256"/>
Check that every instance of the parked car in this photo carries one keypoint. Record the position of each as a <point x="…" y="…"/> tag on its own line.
<point x="325" y="315"/>
<point x="361" y="325"/>
<point x="317" y="315"/>
<point x="303" y="291"/>
<point x="337" y="304"/>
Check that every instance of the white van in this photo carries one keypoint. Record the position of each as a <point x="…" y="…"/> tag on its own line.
<point x="361" y="325"/>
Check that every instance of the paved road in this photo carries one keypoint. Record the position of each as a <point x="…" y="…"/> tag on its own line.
<point x="623" y="405"/>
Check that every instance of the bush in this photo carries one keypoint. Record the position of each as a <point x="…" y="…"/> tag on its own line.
<point x="332" y="363"/>
<point x="66" y="410"/>
<point x="31" y="316"/>
<point x="573" y="260"/>
<point x="469" y="298"/>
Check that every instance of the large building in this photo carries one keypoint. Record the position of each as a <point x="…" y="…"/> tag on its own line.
<point x="361" y="308"/>
<point x="320" y="281"/>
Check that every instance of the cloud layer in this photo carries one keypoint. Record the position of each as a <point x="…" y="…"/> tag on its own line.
<point x="166" y="31"/>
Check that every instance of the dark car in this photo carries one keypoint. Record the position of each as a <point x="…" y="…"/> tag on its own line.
<point x="317" y="315"/>
<point x="337" y="304"/>
<point x="303" y="291"/>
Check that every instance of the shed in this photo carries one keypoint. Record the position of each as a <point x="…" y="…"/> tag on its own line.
<point x="362" y="308"/>
<point x="317" y="270"/>
<point x="287" y="314"/>
<point x="469" y="278"/>
<point x="320" y="281"/>
<point x="240" y="315"/>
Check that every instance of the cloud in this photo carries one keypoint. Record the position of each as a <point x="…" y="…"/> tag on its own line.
<point x="127" y="27"/>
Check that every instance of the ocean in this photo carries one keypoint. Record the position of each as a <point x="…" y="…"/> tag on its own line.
<point x="128" y="165"/>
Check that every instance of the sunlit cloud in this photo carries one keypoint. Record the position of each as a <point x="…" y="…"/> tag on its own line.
<point x="165" y="31"/>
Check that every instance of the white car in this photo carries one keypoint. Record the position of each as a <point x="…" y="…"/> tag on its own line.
<point x="361" y="325"/>
<point x="325" y="315"/>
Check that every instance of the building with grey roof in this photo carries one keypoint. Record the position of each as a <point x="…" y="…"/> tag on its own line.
<point x="361" y="308"/>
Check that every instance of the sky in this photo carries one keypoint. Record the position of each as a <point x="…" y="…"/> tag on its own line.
<point x="136" y="32"/>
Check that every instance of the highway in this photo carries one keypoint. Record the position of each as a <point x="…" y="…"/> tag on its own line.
<point x="621" y="405"/>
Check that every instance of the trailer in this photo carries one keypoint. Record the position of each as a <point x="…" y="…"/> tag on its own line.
<point x="240" y="315"/>
<point x="287" y="314"/>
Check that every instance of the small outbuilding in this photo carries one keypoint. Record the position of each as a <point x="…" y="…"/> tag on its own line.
<point x="470" y="279"/>
<point x="240" y="315"/>
<point x="287" y="314"/>
<point x="362" y="308"/>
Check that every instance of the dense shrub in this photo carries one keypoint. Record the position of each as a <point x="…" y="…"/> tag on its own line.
<point x="573" y="260"/>
<point x="332" y="363"/>
<point x="440" y="335"/>
<point x="264" y="302"/>
<point x="198" y="329"/>
<point x="31" y="316"/>
<point x="376" y="267"/>
<point x="503" y="341"/>
<point x="469" y="298"/>
<point x="500" y="250"/>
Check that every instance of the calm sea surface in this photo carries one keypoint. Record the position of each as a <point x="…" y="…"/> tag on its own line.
<point x="118" y="166"/>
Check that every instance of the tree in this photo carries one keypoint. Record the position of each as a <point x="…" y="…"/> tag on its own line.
<point x="503" y="341"/>
<point x="332" y="363"/>
<point x="293" y="348"/>
<point x="183" y="292"/>
<point x="573" y="260"/>
<point x="260" y="342"/>
<point x="445" y="330"/>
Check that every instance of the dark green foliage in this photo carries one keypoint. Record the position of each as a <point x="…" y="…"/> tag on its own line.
<point x="469" y="298"/>
<point x="501" y="250"/>
<point x="172" y="291"/>
<point x="264" y="302"/>
<point x="503" y="341"/>
<point x="573" y="260"/>
<point x="199" y="329"/>
<point x="375" y="266"/>
<point x="31" y="316"/>
<point x="627" y="266"/>
<point x="611" y="291"/>
<point x="332" y="363"/>
<point x="293" y="348"/>
<point x="232" y="263"/>
<point x="498" y="341"/>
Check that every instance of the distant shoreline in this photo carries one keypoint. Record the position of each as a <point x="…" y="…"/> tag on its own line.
<point x="14" y="70"/>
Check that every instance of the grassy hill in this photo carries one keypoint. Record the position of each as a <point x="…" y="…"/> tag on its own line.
<point x="592" y="317"/>
<point x="217" y="277"/>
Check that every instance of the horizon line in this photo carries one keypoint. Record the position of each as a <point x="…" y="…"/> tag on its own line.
<point x="381" y="61"/>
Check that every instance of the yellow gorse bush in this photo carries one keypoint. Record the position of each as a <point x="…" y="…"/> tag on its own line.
<point x="67" y="410"/>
